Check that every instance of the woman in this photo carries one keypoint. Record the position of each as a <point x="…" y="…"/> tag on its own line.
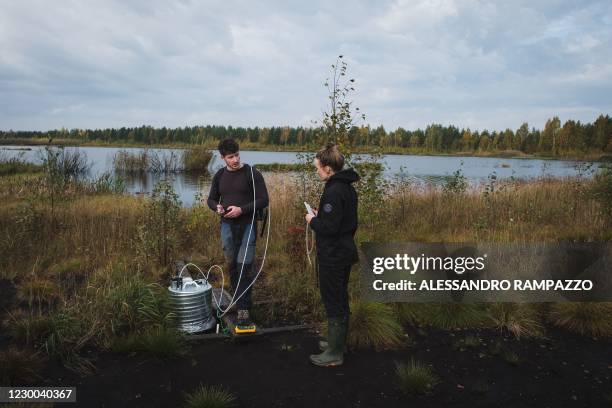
<point x="334" y="224"/>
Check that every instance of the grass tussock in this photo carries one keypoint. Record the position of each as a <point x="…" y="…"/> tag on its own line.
<point x="415" y="378"/>
<point x="374" y="325"/>
<point x="158" y="342"/>
<point x="123" y="301"/>
<point x="520" y="320"/>
<point x="19" y="366"/>
<point x="511" y="357"/>
<point x="38" y="291"/>
<point x="444" y="315"/>
<point x="586" y="318"/>
<point x="210" y="396"/>
<point x="28" y="329"/>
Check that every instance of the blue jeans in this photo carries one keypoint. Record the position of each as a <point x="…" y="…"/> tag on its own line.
<point x="236" y="241"/>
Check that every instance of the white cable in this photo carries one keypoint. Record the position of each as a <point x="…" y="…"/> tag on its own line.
<point x="309" y="250"/>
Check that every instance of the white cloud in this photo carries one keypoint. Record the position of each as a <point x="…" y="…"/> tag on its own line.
<point x="470" y="63"/>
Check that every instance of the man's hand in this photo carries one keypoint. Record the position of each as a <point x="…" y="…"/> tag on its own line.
<point x="233" y="212"/>
<point x="220" y="209"/>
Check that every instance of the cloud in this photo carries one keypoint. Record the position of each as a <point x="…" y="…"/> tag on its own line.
<point x="470" y="63"/>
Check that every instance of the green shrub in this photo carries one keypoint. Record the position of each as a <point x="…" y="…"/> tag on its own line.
<point x="128" y="162"/>
<point x="197" y="159"/>
<point x="456" y="184"/>
<point x="159" y="231"/>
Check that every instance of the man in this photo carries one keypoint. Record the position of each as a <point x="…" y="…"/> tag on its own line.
<point x="231" y="196"/>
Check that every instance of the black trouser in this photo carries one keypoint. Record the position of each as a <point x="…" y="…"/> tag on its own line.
<point x="333" y="282"/>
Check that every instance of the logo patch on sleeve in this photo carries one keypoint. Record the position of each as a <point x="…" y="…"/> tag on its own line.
<point x="327" y="207"/>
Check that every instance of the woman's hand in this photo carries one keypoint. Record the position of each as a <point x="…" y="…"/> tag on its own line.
<point x="309" y="216"/>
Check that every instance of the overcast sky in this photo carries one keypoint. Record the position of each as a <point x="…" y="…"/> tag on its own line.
<point x="97" y="64"/>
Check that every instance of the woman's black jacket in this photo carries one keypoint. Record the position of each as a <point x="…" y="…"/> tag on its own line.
<point x="336" y="220"/>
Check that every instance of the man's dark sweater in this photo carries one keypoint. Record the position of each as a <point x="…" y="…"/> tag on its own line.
<point x="236" y="188"/>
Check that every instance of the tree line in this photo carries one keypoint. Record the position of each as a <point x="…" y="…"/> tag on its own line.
<point x="554" y="139"/>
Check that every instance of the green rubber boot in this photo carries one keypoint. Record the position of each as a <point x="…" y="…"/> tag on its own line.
<point x="334" y="354"/>
<point x="323" y="344"/>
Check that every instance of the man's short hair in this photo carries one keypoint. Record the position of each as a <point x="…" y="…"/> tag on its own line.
<point x="228" y="146"/>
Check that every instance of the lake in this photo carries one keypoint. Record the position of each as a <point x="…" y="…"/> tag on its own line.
<point x="419" y="169"/>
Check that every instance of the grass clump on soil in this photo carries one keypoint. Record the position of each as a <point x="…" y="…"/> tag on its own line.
<point x="124" y="301"/>
<point x="210" y="396"/>
<point x="586" y="318"/>
<point x="28" y="329"/>
<point x="520" y="320"/>
<point x="38" y="291"/>
<point x="163" y="343"/>
<point x="415" y="378"/>
<point x="511" y="357"/>
<point x="374" y="325"/>
<point x="19" y="367"/>
<point x="445" y="315"/>
<point x="159" y="342"/>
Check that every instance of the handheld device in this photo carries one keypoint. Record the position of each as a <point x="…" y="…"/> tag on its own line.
<point x="308" y="208"/>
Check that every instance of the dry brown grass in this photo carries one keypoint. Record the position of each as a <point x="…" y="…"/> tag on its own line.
<point x="586" y="318"/>
<point x="542" y="210"/>
<point x="92" y="234"/>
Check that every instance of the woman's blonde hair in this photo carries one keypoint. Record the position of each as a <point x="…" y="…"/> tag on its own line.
<point x="331" y="156"/>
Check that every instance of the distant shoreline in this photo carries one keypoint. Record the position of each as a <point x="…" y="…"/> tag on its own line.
<point x="503" y="154"/>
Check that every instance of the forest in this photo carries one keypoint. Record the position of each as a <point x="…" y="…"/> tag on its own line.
<point x="572" y="138"/>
